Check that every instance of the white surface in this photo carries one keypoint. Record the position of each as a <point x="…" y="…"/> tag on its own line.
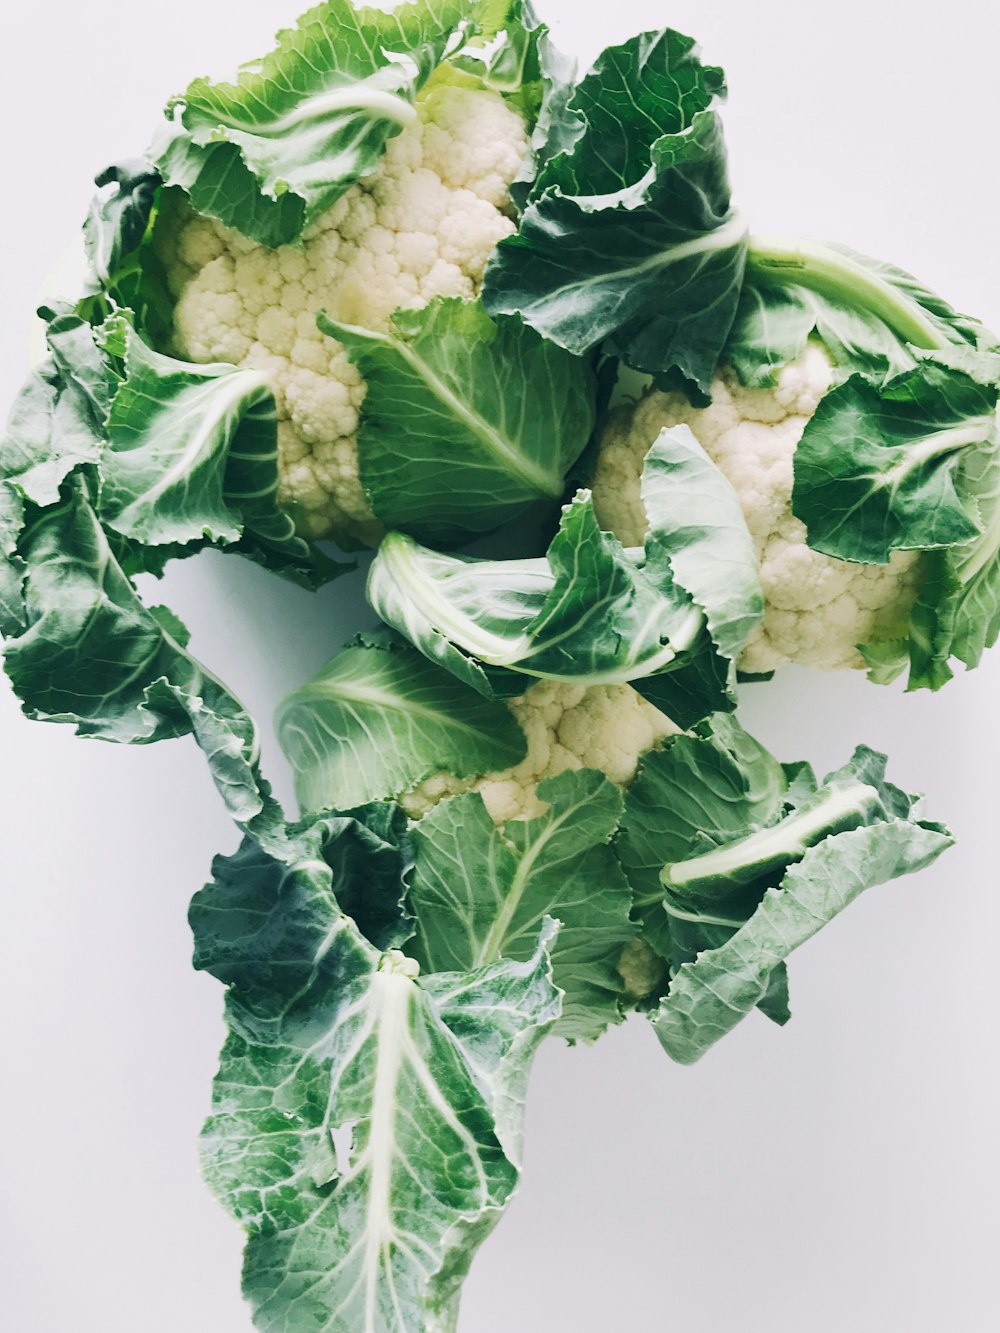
<point x="839" y="1175"/>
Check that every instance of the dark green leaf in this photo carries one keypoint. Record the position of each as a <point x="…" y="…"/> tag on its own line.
<point x="628" y="233"/>
<point x="869" y="315"/>
<point x="880" y="469"/>
<point x="592" y="612"/>
<point x="709" y="996"/>
<point x="88" y="652"/>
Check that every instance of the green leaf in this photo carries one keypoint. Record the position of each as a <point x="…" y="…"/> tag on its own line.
<point x="126" y="272"/>
<point x="11" y="564"/>
<point x="628" y="233"/>
<point x="697" y="527"/>
<point x="57" y="421"/>
<point x="465" y="422"/>
<point x="366" y="1124"/>
<point x="170" y="431"/>
<point x="119" y="215"/>
<point x="379" y="718"/>
<point x="480" y="893"/>
<point x="83" y="649"/>
<point x="869" y="315"/>
<point x="696" y="791"/>
<point x="270" y="152"/>
<point x="880" y="469"/>
<point x="957" y="611"/>
<point x="748" y="859"/>
<point x="845" y="800"/>
<point x="592" y="612"/>
<point x="192" y="454"/>
<point x="370" y="854"/>
<point x="709" y="996"/>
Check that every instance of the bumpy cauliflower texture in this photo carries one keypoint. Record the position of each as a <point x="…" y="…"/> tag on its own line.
<point x="817" y="609"/>
<point x="607" y="727"/>
<point x="423" y="225"/>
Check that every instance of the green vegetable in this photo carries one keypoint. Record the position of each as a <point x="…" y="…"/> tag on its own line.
<point x="872" y="317"/>
<point x="378" y="719"/>
<point x="479" y="894"/>
<point x="500" y="838"/>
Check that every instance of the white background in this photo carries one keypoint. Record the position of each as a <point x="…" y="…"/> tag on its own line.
<point x="839" y="1175"/>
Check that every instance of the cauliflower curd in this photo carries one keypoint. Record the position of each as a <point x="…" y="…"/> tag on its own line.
<point x="607" y="727"/>
<point x="817" y="609"/>
<point x="423" y="225"/>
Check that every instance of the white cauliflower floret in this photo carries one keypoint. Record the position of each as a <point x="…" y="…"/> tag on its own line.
<point x="423" y="225"/>
<point x="607" y="727"/>
<point x="817" y="608"/>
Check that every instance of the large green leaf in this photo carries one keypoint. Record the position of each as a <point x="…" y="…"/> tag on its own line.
<point x="479" y="893"/>
<point x="591" y="611"/>
<point x="379" y="718"/>
<point x="366" y="1123"/>
<point x="697" y="790"/>
<point x="270" y="152"/>
<point x="712" y="833"/>
<point x="170" y="431"/>
<point x="465" y="421"/>
<point x="880" y="469"/>
<point x="709" y="996"/>
<point x="82" y="648"/>
<point x="57" y="421"/>
<point x="870" y="316"/>
<point x="628" y="233"/>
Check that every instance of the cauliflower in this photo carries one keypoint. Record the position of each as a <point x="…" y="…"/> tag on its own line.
<point x="817" y="609"/>
<point x="607" y="727"/>
<point x="423" y="225"/>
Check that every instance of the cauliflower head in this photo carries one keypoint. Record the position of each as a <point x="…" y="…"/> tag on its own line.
<point x="607" y="727"/>
<point x="817" y="608"/>
<point x="423" y="225"/>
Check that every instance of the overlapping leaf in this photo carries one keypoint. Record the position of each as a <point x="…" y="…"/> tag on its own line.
<point x="83" y="648"/>
<point x="746" y="859"/>
<point x="270" y="152"/>
<point x="628" y="234"/>
<point x="465" y="421"/>
<point x="669" y="617"/>
<point x="871" y="316"/>
<point x="366" y="1123"/>
<point x="710" y="995"/>
<point x="480" y="893"/>
<point x="379" y="718"/>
